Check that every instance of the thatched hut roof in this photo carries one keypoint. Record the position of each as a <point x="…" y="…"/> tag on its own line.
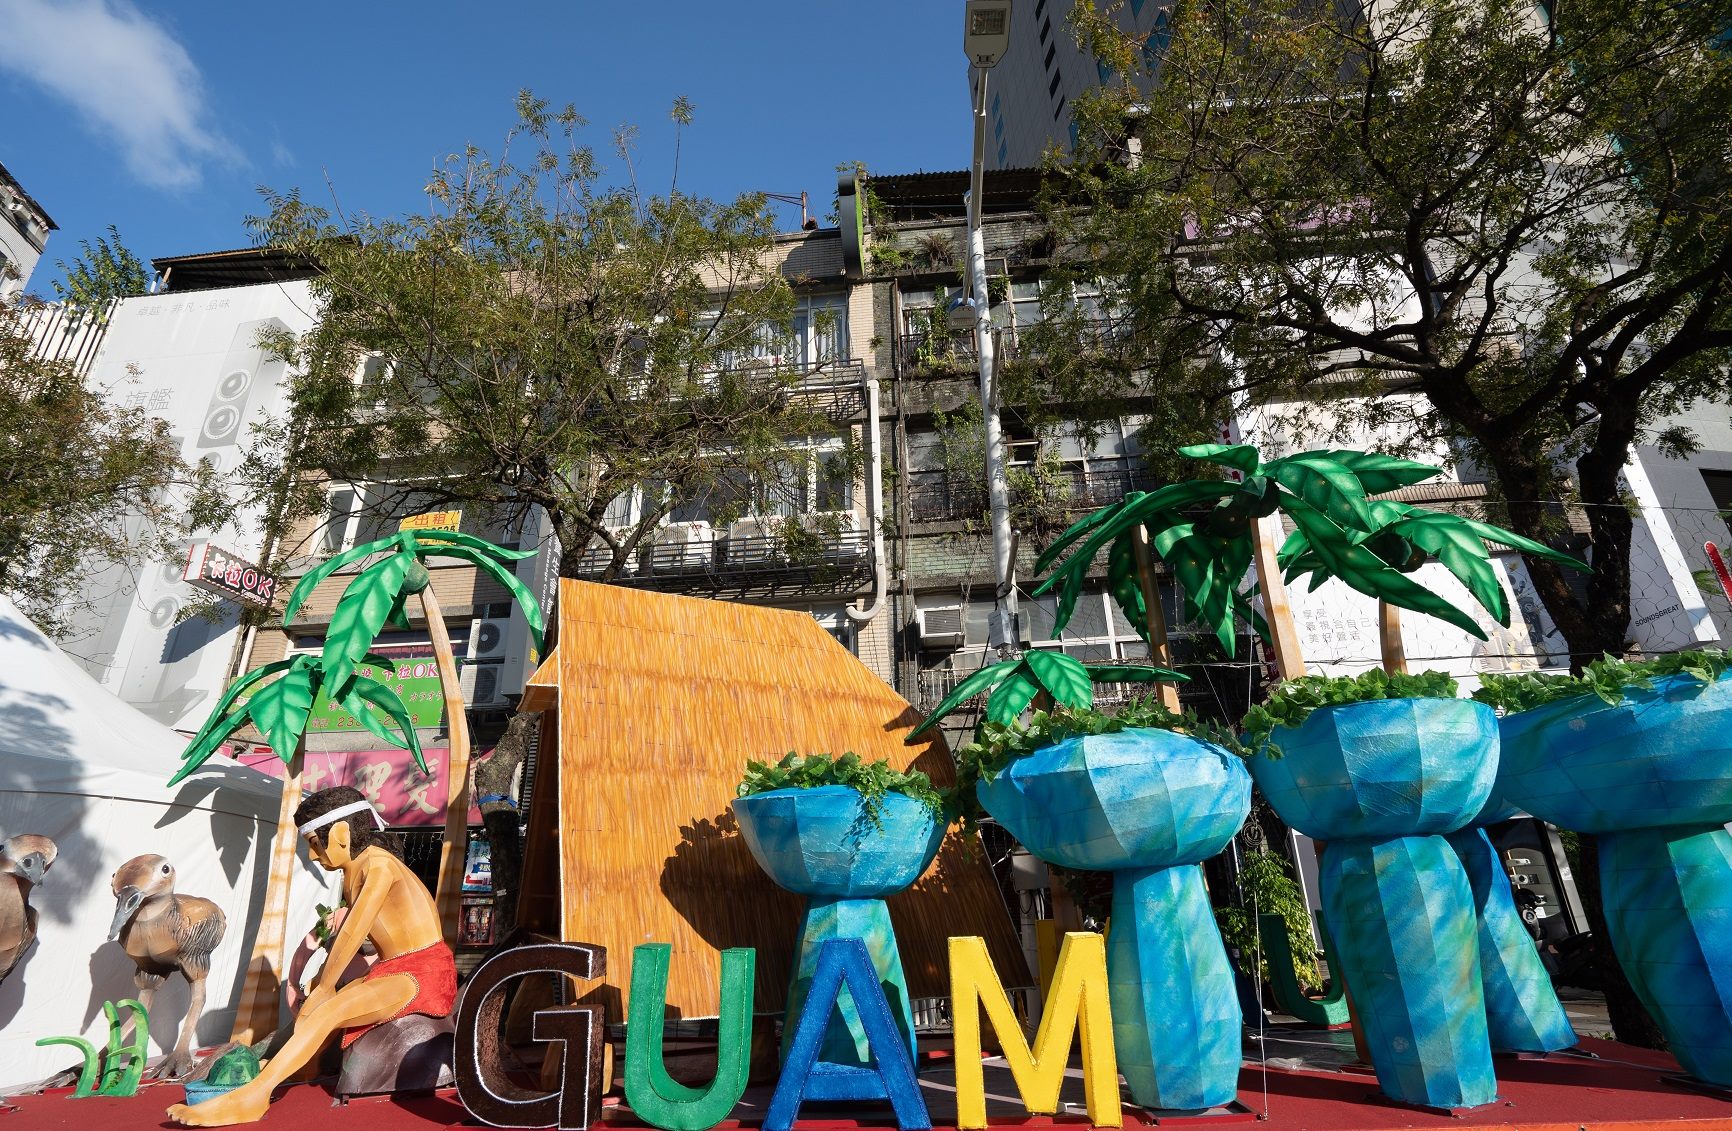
<point x="660" y="702"/>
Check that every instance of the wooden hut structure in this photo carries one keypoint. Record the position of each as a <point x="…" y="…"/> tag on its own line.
<point x="653" y="704"/>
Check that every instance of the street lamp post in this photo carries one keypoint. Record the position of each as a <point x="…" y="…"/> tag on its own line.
<point x="986" y="37"/>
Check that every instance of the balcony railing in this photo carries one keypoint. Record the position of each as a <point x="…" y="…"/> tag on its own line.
<point x="741" y="565"/>
<point x="836" y="388"/>
<point x="934" y="685"/>
<point x="938" y="496"/>
<point x="949" y="351"/>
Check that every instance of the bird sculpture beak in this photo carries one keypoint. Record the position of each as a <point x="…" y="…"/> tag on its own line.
<point x="34" y="867"/>
<point x="126" y="906"/>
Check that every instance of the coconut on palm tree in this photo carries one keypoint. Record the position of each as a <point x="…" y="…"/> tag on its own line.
<point x="377" y="597"/>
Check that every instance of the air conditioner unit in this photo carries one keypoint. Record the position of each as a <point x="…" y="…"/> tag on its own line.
<point x="752" y="540"/>
<point x="480" y="684"/>
<point x="941" y="626"/>
<point x="487" y="638"/>
<point x="682" y="546"/>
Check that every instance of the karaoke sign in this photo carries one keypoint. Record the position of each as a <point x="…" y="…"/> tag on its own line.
<point x="216" y="570"/>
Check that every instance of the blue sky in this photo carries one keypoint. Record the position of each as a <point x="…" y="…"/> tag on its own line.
<point x="163" y="118"/>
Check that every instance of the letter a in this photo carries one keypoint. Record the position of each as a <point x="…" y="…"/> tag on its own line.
<point x="805" y="1077"/>
<point x="655" y="1096"/>
<point x="1078" y="999"/>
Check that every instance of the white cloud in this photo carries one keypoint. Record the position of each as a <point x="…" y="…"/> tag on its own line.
<point x="131" y="81"/>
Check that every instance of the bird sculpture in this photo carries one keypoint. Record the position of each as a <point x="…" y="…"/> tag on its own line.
<point x="163" y="932"/>
<point x="24" y="860"/>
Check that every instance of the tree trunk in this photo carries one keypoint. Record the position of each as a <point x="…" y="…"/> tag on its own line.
<point x="1631" y="1021"/>
<point x="453" y="854"/>
<point x="1155" y="616"/>
<point x="494" y="775"/>
<point x="260" y="1003"/>
<point x="1283" y="633"/>
<point x="1389" y="642"/>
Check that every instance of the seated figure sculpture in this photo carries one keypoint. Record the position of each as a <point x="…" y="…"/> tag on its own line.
<point x="416" y="973"/>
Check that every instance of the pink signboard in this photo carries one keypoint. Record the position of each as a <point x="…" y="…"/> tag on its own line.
<point x="389" y="778"/>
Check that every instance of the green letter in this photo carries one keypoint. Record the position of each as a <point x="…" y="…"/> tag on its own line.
<point x="652" y="1093"/>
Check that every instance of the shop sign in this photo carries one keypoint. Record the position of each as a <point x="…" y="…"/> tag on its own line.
<point x="415" y="679"/>
<point x="216" y="570"/>
<point x="405" y="796"/>
<point x="449" y="521"/>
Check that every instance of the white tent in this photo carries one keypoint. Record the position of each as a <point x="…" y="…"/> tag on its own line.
<point x="79" y="765"/>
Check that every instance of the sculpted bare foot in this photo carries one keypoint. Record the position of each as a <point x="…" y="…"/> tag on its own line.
<point x="243" y="1105"/>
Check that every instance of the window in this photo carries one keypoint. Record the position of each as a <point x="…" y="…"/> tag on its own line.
<point x="1073" y="133"/>
<point x="1719" y="485"/>
<point x="815" y="478"/>
<point x="1051" y="51"/>
<point x="1156" y="44"/>
<point x="1059" y="109"/>
<point x="359" y="513"/>
<point x="1045" y="30"/>
<point x="819" y="333"/>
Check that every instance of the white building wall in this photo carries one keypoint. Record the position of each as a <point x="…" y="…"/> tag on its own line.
<point x="191" y="359"/>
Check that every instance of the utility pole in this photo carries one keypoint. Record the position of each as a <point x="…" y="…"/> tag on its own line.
<point x="987" y="36"/>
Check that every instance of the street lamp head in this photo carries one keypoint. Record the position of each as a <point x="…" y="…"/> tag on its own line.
<point x="986" y="35"/>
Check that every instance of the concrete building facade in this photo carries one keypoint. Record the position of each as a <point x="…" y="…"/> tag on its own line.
<point x="24" y="229"/>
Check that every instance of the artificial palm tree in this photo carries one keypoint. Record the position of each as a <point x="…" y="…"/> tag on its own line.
<point x="1404" y="537"/>
<point x="1014" y="684"/>
<point x="375" y="598"/>
<point x="280" y="710"/>
<point x="1210" y="553"/>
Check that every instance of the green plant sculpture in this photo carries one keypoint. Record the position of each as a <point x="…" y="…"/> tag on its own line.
<point x="1210" y="554"/>
<point x="280" y="709"/>
<point x="1015" y="683"/>
<point x="1403" y="537"/>
<point x="117" y="1070"/>
<point x="376" y="598"/>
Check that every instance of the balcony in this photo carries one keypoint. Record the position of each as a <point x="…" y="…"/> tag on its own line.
<point x="698" y="560"/>
<point x="934" y="685"/>
<point x="834" y="389"/>
<point x="937" y="496"/>
<point x="951" y="352"/>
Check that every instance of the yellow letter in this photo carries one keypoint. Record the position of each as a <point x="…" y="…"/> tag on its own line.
<point x="1078" y="999"/>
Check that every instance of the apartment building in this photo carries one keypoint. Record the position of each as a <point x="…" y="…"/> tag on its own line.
<point x="1031" y="93"/>
<point x="24" y="229"/>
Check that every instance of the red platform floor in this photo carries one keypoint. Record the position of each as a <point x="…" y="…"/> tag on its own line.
<point x="1626" y="1088"/>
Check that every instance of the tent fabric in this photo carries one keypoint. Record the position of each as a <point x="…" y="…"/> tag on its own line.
<point x="83" y="767"/>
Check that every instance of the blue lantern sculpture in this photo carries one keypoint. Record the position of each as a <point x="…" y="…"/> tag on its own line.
<point x="1148" y="806"/>
<point x="1380" y="782"/>
<point x="1522" y="1010"/>
<point x="1652" y="777"/>
<point x="823" y="844"/>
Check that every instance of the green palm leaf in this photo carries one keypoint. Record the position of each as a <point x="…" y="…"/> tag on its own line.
<point x="365" y="694"/>
<point x="305" y="586"/>
<point x="506" y="577"/>
<point x="1326" y="486"/>
<point x="1124" y="584"/>
<point x="1065" y="679"/>
<point x="980" y="681"/>
<point x="1132" y="673"/>
<point x="1157" y="510"/>
<point x="468" y="541"/>
<point x="1080" y="527"/>
<point x="219" y="719"/>
<point x="1242" y="458"/>
<point x="215" y="731"/>
<point x="1012" y="697"/>
<point x="281" y="708"/>
<point x="1458" y="549"/>
<point x="1379" y="473"/>
<point x="1515" y="541"/>
<point x="361" y="614"/>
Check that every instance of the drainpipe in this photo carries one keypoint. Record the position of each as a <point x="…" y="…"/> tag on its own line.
<point x="874" y="509"/>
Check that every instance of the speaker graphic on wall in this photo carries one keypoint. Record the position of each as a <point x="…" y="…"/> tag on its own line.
<point x="248" y="378"/>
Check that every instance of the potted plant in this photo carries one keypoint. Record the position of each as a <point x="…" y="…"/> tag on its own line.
<point x="1146" y="795"/>
<point x="1380" y="767"/>
<point x="845" y="833"/>
<point x="1640" y="754"/>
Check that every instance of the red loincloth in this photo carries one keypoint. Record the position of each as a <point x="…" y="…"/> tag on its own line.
<point x="435" y="973"/>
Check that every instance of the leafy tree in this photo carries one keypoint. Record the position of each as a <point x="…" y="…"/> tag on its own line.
<point x="85" y="484"/>
<point x="105" y="272"/>
<point x="1521" y="213"/>
<point x="541" y="338"/>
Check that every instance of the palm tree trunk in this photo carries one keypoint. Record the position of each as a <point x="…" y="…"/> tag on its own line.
<point x="260" y="1003"/>
<point x="1389" y="644"/>
<point x="1160" y="648"/>
<point x="454" y="852"/>
<point x="1283" y="633"/>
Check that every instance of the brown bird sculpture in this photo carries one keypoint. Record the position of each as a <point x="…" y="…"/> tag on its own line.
<point x="163" y="932"/>
<point x="24" y="860"/>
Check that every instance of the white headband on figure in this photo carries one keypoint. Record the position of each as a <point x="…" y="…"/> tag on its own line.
<point x="339" y="813"/>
